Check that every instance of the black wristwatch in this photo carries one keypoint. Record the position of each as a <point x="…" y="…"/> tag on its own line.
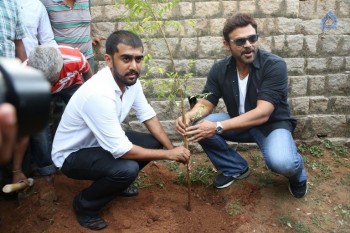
<point x="219" y="129"/>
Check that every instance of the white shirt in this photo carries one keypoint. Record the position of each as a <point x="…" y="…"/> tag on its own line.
<point x="94" y="114"/>
<point x="37" y="24"/>
<point x="242" y="84"/>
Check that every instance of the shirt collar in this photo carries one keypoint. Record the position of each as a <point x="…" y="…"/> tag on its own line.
<point x="113" y="83"/>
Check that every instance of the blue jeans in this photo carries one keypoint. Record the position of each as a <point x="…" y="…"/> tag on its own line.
<point x="40" y="147"/>
<point x="278" y="149"/>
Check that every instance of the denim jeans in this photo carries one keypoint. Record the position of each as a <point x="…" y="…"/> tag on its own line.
<point x="278" y="149"/>
<point x="41" y="143"/>
<point x="110" y="176"/>
<point x="40" y="148"/>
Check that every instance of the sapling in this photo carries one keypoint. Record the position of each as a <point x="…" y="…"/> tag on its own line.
<point x="145" y="16"/>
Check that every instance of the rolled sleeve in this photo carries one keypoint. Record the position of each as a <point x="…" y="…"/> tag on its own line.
<point x="275" y="85"/>
<point x="212" y="86"/>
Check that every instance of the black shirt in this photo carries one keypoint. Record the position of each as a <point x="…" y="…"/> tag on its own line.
<point x="268" y="80"/>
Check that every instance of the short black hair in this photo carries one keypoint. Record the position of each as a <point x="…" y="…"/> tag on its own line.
<point x="236" y="21"/>
<point x="122" y="37"/>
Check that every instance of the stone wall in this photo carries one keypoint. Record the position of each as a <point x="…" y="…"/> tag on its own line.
<point x="318" y="59"/>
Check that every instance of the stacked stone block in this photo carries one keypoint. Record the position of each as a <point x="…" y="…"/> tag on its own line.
<point x="318" y="59"/>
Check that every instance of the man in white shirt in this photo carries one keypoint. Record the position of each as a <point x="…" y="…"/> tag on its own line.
<point x="37" y="24"/>
<point x="90" y="143"/>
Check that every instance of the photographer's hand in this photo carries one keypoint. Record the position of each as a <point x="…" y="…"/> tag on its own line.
<point x="8" y="130"/>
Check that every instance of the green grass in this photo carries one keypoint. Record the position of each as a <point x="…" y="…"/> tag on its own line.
<point x="233" y="208"/>
<point x="318" y="220"/>
<point x="201" y="175"/>
<point x="319" y="200"/>
<point x="172" y="165"/>
<point x="255" y="159"/>
<point x="142" y="181"/>
<point x="265" y="180"/>
<point x="317" y="152"/>
<point x="345" y="180"/>
<point x="299" y="226"/>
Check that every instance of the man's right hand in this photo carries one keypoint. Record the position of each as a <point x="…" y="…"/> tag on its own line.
<point x="180" y="154"/>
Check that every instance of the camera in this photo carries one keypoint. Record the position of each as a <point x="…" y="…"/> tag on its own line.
<point x="28" y="90"/>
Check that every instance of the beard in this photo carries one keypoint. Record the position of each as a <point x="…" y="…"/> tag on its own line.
<point x="124" y="78"/>
<point x="246" y="56"/>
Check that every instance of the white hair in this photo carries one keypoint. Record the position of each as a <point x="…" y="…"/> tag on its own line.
<point x="48" y="60"/>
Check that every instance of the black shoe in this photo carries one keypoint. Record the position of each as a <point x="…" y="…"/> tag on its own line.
<point x="222" y="181"/>
<point x="130" y="191"/>
<point x="95" y="222"/>
<point x="298" y="190"/>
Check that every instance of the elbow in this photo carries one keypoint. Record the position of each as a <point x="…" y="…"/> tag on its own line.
<point x="264" y="119"/>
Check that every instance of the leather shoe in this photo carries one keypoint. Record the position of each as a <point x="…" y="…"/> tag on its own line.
<point x="130" y="191"/>
<point x="95" y="222"/>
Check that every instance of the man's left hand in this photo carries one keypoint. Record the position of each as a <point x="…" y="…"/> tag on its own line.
<point x="203" y="129"/>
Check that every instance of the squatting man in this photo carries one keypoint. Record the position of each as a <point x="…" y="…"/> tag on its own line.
<point x="90" y="143"/>
<point x="254" y="86"/>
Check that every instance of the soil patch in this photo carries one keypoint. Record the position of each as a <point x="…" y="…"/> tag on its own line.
<point x="259" y="203"/>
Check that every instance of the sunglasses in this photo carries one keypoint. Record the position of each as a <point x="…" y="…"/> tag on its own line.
<point x="242" y="40"/>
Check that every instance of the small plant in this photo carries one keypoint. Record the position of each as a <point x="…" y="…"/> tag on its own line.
<point x="140" y="181"/>
<point x="201" y="175"/>
<point x="301" y="228"/>
<point x="328" y="144"/>
<point x="298" y="226"/>
<point x="316" y="151"/>
<point x="265" y="180"/>
<point x="324" y="168"/>
<point x="317" y="220"/>
<point x="256" y="158"/>
<point x="344" y="213"/>
<point x="336" y="150"/>
<point x="233" y="208"/>
<point x="302" y="148"/>
<point x="172" y="165"/>
<point x="285" y="221"/>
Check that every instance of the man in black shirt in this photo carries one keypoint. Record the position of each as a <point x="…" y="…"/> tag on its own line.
<point x="254" y="86"/>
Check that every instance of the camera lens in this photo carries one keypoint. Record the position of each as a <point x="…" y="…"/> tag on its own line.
<point x="29" y="91"/>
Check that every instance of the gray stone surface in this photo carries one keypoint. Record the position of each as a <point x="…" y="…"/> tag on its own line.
<point x="318" y="60"/>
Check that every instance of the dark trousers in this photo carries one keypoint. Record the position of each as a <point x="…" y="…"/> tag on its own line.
<point x="110" y="176"/>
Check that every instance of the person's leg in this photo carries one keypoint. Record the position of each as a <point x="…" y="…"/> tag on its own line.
<point x="19" y="152"/>
<point x="92" y="64"/>
<point x="144" y="140"/>
<point x="41" y="146"/>
<point x="111" y="176"/>
<point x="281" y="156"/>
<point x="225" y="159"/>
<point x="68" y="92"/>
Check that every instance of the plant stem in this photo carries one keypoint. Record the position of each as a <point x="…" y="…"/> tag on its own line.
<point x="185" y="141"/>
<point x="182" y="97"/>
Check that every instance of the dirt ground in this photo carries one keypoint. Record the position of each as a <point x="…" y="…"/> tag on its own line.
<point x="259" y="203"/>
